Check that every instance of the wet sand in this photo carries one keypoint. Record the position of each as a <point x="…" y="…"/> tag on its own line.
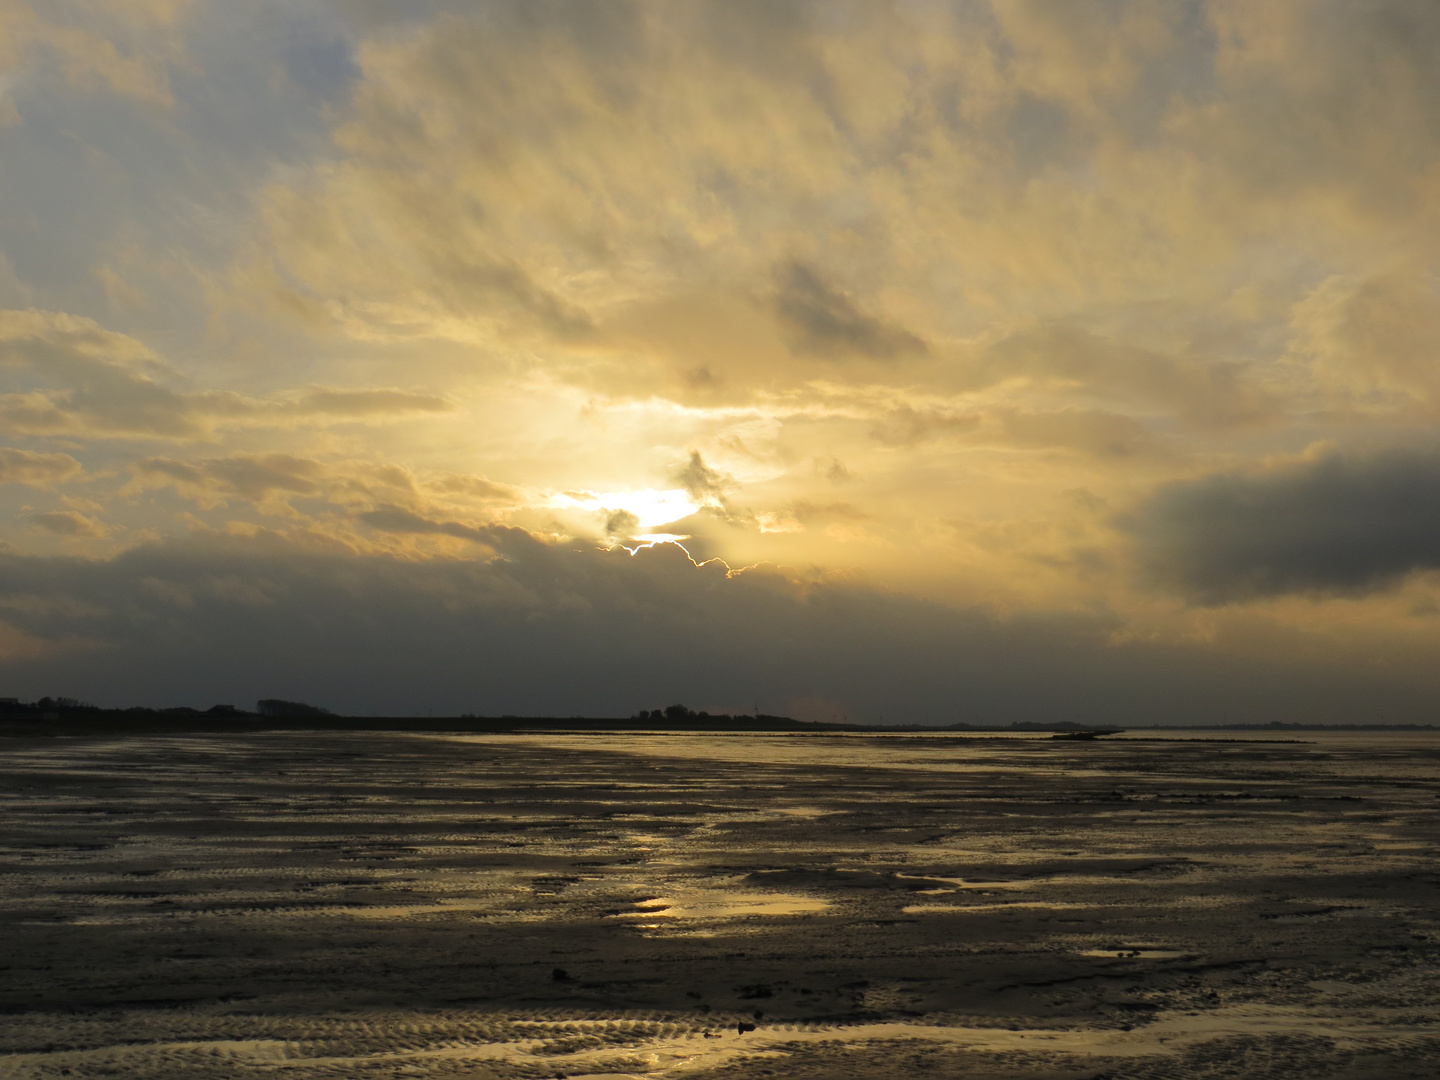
<point x="371" y="905"/>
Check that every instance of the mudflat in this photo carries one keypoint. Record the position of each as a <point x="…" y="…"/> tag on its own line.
<point x="363" y="905"/>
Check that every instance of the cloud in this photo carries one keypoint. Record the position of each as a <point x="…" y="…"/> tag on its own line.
<point x="358" y="403"/>
<point x="476" y="489"/>
<point x="1324" y="101"/>
<point x="1090" y="431"/>
<point x="708" y="488"/>
<point x="906" y="425"/>
<point x="70" y="523"/>
<point x="898" y="246"/>
<point x="90" y="381"/>
<point x="662" y="154"/>
<point x="125" y="49"/>
<point x="106" y="380"/>
<point x="36" y="470"/>
<point x="704" y="484"/>
<point x="1377" y="333"/>
<point x="808" y="512"/>
<point x="1087" y="187"/>
<point x="896" y="422"/>
<point x="621" y="523"/>
<point x="824" y="321"/>
<point x="1201" y="391"/>
<point x="1339" y="524"/>
<point x="398" y="520"/>
<point x="561" y="630"/>
<point x="384" y="497"/>
<point x="255" y="477"/>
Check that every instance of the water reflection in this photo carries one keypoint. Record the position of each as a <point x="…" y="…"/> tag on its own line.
<point x="719" y="904"/>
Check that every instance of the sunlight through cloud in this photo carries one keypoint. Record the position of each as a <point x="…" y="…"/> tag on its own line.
<point x="649" y="507"/>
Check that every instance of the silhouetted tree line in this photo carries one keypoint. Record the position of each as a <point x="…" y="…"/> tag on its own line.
<point x="46" y="704"/>
<point x="679" y="714"/>
<point x="675" y="714"/>
<point x="74" y="706"/>
<point x="68" y="706"/>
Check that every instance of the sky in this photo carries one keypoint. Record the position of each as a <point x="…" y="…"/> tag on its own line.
<point x="936" y="361"/>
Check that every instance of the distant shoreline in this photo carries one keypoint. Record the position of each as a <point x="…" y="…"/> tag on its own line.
<point x="175" y="721"/>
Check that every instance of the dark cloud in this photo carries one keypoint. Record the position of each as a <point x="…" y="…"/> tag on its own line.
<point x="708" y="488"/>
<point x="395" y="519"/>
<point x="824" y="321"/>
<point x="701" y="482"/>
<point x="1339" y="524"/>
<point x="533" y="628"/>
<point x="621" y="523"/>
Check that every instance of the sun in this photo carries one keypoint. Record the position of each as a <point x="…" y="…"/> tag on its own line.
<point x="650" y="506"/>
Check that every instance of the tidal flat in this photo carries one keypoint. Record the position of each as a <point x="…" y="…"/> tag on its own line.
<point x="357" y="905"/>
